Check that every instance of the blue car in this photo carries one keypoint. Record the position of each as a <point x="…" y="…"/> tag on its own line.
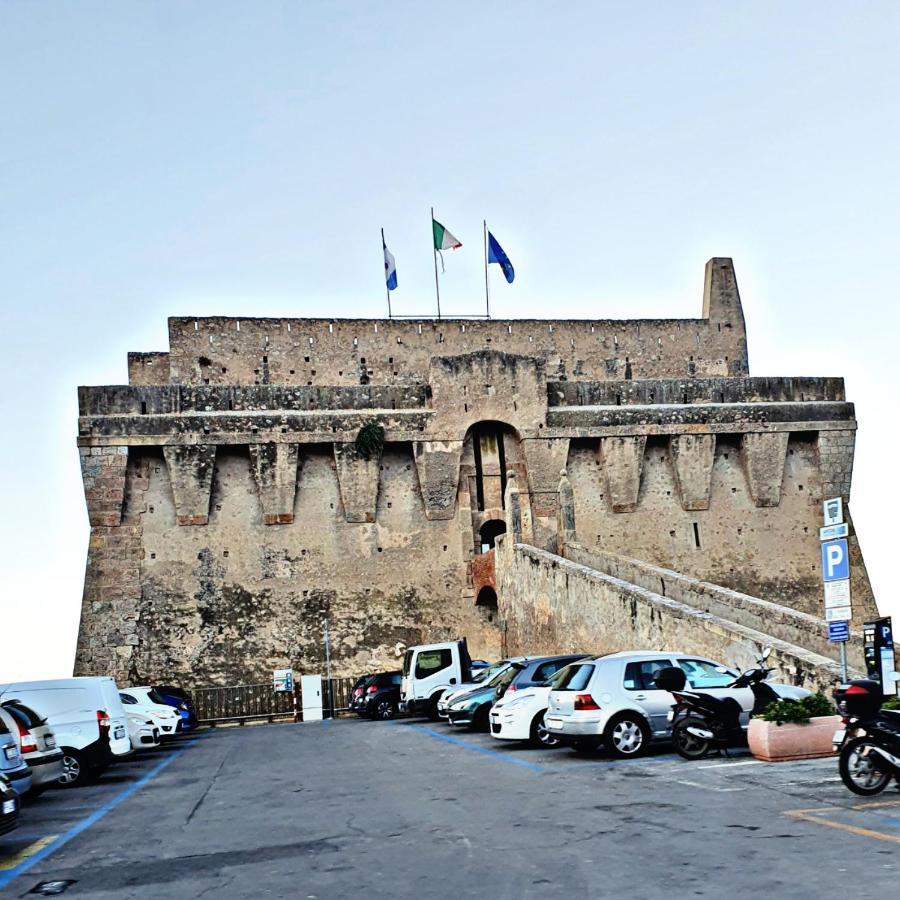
<point x="181" y="700"/>
<point x="12" y="764"/>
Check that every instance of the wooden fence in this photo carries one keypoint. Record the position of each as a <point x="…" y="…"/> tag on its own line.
<point x="244" y="702"/>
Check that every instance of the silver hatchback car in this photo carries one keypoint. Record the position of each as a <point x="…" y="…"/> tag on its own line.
<point x="613" y="700"/>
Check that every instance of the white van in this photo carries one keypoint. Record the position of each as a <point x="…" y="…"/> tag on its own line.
<point x="87" y="717"/>
<point x="428" y="671"/>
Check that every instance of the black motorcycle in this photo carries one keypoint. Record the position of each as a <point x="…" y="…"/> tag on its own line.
<point x="869" y="742"/>
<point x="702" y="723"/>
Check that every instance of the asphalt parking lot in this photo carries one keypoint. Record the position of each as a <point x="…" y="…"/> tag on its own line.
<point x="410" y="809"/>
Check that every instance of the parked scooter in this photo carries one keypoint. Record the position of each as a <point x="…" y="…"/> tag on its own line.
<point x="869" y="742"/>
<point x="702" y="723"/>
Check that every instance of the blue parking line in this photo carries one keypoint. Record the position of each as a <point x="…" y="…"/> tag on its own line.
<point x="93" y="818"/>
<point x="503" y="757"/>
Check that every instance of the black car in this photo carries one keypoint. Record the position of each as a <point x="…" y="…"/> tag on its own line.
<point x="381" y="696"/>
<point x="357" y="691"/>
<point x="9" y="806"/>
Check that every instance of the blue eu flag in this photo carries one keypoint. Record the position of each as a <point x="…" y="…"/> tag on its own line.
<point x="496" y="254"/>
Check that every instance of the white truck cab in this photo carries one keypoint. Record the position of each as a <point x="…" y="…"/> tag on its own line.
<point x="428" y="671"/>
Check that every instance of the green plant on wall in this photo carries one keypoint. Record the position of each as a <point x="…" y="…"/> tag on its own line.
<point x="370" y="440"/>
<point x="797" y="712"/>
<point x="893" y="703"/>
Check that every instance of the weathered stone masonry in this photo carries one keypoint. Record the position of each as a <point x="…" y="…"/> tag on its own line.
<point x="231" y="514"/>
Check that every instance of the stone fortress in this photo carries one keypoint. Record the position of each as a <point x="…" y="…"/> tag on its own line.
<point x="233" y="513"/>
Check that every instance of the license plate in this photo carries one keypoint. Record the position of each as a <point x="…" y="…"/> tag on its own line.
<point x="11" y="752"/>
<point x="839" y="736"/>
<point x="553" y="723"/>
<point x="9" y="806"/>
<point x="50" y="743"/>
<point x="119" y="733"/>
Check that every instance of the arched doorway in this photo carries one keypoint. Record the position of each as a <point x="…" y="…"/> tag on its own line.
<point x="488" y="533"/>
<point x="486" y="601"/>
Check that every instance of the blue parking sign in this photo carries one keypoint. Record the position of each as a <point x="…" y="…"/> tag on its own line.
<point x="838" y="632"/>
<point x="835" y="560"/>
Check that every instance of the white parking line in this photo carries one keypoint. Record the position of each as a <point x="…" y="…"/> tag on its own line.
<point x="709" y="787"/>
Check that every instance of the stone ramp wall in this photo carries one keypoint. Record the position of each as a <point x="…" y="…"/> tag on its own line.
<point x="553" y="605"/>
<point x="766" y="616"/>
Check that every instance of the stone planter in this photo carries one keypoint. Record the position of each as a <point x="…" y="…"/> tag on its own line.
<point x="775" y="743"/>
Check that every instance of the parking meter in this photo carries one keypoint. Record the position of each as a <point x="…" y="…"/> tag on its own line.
<point x="878" y="648"/>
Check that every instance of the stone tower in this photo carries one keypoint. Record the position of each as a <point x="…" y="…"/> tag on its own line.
<point x="232" y="512"/>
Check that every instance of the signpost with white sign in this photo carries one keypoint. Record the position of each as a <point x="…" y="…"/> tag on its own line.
<point x="830" y="532"/>
<point x="836" y="576"/>
<point x="283" y="680"/>
<point x="833" y="511"/>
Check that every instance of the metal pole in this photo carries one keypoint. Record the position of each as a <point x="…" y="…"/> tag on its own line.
<point x="437" y="288"/>
<point x="328" y="667"/>
<point x="487" y="283"/>
<point x="843" y="662"/>
<point x="387" y="290"/>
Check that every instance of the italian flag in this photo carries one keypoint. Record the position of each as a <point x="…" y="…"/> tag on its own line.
<point x="443" y="240"/>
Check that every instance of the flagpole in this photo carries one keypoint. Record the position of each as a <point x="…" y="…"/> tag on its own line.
<point x="437" y="289"/>
<point x="487" y="282"/>
<point x="387" y="290"/>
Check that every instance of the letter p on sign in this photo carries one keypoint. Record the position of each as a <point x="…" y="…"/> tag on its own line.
<point x="835" y="560"/>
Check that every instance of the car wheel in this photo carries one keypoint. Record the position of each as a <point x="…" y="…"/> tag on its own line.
<point x="386" y="709"/>
<point x="540" y="737"/>
<point x="626" y="735"/>
<point x="481" y="721"/>
<point x="75" y="770"/>
<point x="432" y="708"/>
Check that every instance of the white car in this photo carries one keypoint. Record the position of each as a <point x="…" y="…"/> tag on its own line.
<point x="143" y="733"/>
<point x="613" y="700"/>
<point x="145" y="701"/>
<point x="520" y="717"/>
<point x="86" y="717"/>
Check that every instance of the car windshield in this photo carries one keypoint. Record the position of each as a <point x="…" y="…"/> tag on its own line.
<point x="484" y="675"/>
<point x="500" y="674"/>
<point x="156" y="697"/>
<point x="701" y="673"/>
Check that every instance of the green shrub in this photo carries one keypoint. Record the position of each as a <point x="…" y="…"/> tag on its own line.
<point x="798" y="712"/>
<point x="370" y="440"/>
<point x="893" y="703"/>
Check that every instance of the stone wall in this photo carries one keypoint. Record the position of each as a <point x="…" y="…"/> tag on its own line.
<point x="222" y="350"/>
<point x="768" y="617"/>
<point x="553" y="605"/>
<point x="232" y="599"/>
<point x="248" y="515"/>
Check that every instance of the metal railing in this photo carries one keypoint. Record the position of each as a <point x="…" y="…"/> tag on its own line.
<point x="249" y="702"/>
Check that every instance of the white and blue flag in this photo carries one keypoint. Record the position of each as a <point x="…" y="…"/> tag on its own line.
<point x="390" y="267"/>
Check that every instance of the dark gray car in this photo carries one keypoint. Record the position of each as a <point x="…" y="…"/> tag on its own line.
<point x="537" y="670"/>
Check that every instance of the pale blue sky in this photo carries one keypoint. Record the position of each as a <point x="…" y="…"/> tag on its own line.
<point x="239" y="158"/>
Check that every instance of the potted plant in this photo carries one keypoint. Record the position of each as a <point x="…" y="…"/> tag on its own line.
<point x="794" y="729"/>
